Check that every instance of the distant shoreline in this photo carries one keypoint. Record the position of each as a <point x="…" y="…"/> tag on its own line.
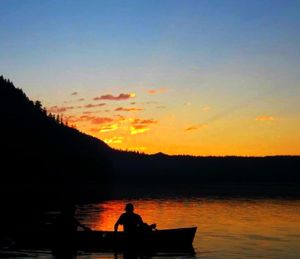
<point x="93" y="192"/>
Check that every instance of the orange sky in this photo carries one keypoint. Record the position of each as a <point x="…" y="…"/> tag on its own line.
<point x="162" y="120"/>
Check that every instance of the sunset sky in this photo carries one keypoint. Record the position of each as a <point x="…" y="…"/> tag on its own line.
<point x="179" y="77"/>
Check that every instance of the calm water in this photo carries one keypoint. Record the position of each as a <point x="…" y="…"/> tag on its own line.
<point x="227" y="228"/>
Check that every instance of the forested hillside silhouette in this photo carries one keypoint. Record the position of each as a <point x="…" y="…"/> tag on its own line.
<point x="39" y="150"/>
<point x="160" y="168"/>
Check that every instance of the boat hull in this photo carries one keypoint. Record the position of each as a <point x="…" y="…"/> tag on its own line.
<point x="180" y="239"/>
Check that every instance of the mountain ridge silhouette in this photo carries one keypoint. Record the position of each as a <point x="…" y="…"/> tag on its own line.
<point x="38" y="149"/>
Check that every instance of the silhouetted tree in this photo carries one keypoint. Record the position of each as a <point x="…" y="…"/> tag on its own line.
<point x="38" y="105"/>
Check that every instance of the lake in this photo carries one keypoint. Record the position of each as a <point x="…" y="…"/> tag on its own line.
<point x="227" y="228"/>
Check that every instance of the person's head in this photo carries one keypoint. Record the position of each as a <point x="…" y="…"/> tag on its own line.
<point x="129" y="207"/>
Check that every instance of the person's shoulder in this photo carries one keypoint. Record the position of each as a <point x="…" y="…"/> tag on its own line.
<point x="137" y="215"/>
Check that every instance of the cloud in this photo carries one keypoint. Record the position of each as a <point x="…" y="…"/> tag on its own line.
<point x="137" y="121"/>
<point x="74" y="93"/>
<point x="89" y="118"/>
<point x="119" y="97"/>
<point x="107" y="128"/>
<point x="87" y="112"/>
<point x="137" y="129"/>
<point x="161" y="107"/>
<point x="191" y="128"/>
<point x="101" y="120"/>
<point x="195" y="127"/>
<point x="80" y="99"/>
<point x="128" y="109"/>
<point x="82" y="118"/>
<point x="157" y="91"/>
<point x="265" y="118"/>
<point x="141" y="125"/>
<point x="114" y="140"/>
<point x="94" y="130"/>
<point x="151" y="102"/>
<point x="120" y="117"/>
<point x="56" y="109"/>
<point x="94" y="105"/>
<point x="86" y="118"/>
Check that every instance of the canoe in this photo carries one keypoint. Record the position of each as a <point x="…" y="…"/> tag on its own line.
<point x="179" y="239"/>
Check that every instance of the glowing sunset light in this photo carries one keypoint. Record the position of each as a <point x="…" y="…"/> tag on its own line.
<point x="265" y="118"/>
<point x="111" y="127"/>
<point x="156" y="91"/>
<point x="114" y="140"/>
<point x="138" y="129"/>
<point x="199" y="79"/>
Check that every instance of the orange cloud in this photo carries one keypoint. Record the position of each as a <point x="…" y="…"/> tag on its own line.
<point x="110" y="97"/>
<point x="74" y="93"/>
<point x="82" y="118"/>
<point x="143" y="122"/>
<point x="196" y="127"/>
<point x="110" y="127"/>
<point x="128" y="109"/>
<point x="140" y="125"/>
<point x="94" y="130"/>
<point x="156" y="91"/>
<point x="101" y="120"/>
<point x="86" y="117"/>
<point x="89" y="118"/>
<point x="120" y="117"/>
<point x="56" y="109"/>
<point x="80" y="99"/>
<point x="137" y="129"/>
<point x="94" y="105"/>
<point x="114" y="140"/>
<point x="264" y="118"/>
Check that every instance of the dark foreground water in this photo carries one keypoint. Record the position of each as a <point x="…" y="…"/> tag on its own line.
<point x="227" y="228"/>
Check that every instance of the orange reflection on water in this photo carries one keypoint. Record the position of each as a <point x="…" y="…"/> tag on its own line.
<point x="109" y="212"/>
<point x="225" y="227"/>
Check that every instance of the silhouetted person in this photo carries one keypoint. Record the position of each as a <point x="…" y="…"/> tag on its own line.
<point x="66" y="222"/>
<point x="66" y="226"/>
<point x="132" y="226"/>
<point x="131" y="221"/>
